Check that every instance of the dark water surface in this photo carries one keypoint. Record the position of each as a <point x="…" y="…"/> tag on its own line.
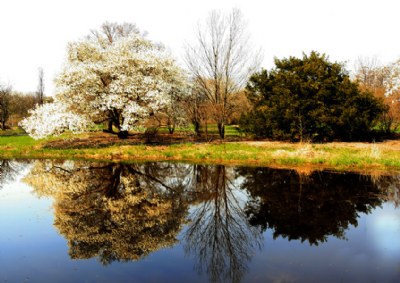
<point x="74" y="221"/>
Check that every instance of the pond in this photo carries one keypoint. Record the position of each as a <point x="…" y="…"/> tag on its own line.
<point x="77" y="221"/>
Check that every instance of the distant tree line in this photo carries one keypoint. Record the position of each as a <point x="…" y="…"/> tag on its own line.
<point x="14" y="106"/>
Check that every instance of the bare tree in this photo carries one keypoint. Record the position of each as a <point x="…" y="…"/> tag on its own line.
<point x="221" y="60"/>
<point x="5" y="103"/>
<point x="40" y="89"/>
<point x="369" y="73"/>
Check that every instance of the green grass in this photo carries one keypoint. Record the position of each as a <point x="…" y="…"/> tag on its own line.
<point x="19" y="141"/>
<point x="12" y="132"/>
<point x="342" y="156"/>
<point x="212" y="129"/>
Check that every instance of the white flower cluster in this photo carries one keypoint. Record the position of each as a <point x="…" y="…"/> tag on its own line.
<point x="53" y="119"/>
<point x="392" y="81"/>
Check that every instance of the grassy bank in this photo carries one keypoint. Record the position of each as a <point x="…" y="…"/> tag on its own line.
<point x="339" y="156"/>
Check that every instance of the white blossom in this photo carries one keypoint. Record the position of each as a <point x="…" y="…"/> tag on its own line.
<point x="53" y="119"/>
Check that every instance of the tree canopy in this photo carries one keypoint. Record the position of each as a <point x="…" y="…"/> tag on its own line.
<point x="123" y="80"/>
<point x="309" y="98"/>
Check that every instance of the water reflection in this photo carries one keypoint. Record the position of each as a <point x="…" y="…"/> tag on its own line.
<point x="124" y="212"/>
<point x="111" y="211"/>
<point x="308" y="208"/>
<point x="9" y="170"/>
<point x="389" y="187"/>
<point x="219" y="234"/>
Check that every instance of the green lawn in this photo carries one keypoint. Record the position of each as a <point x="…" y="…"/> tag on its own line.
<point x="212" y="129"/>
<point x="339" y="156"/>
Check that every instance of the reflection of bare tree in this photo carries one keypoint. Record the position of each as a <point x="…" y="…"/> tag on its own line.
<point x="112" y="211"/>
<point x="219" y="233"/>
<point x="9" y="170"/>
<point x="311" y="208"/>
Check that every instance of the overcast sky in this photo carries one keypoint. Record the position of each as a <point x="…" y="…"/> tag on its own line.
<point x="35" y="33"/>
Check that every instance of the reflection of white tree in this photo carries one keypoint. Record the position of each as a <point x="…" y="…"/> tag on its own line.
<point x="111" y="211"/>
<point x="9" y="170"/>
<point x="219" y="233"/>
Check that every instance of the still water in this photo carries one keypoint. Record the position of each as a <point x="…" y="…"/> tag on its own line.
<point x="74" y="221"/>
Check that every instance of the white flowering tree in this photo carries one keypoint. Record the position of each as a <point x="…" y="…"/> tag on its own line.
<point x="392" y="80"/>
<point x="124" y="82"/>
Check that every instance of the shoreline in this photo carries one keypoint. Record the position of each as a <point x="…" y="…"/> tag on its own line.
<point x="368" y="158"/>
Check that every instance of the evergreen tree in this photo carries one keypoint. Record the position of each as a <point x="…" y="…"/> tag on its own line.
<point x="309" y="98"/>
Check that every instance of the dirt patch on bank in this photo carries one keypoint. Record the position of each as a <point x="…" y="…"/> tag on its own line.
<point x="101" y="139"/>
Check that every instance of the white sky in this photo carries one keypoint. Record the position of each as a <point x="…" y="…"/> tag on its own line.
<point x="35" y="33"/>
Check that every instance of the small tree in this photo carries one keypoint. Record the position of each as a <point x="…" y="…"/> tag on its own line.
<point x="310" y="98"/>
<point x="174" y="112"/>
<point x="5" y="105"/>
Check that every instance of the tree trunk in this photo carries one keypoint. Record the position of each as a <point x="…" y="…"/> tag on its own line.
<point x="110" y="126"/>
<point x="123" y="134"/>
<point x="118" y="121"/>
<point x="196" y="125"/>
<point x="221" y="130"/>
<point x="171" y="126"/>
<point x="171" y="129"/>
<point x="113" y="190"/>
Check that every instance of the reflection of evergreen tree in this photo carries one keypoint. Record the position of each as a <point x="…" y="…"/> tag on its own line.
<point x="112" y="211"/>
<point x="309" y="208"/>
<point x="219" y="235"/>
